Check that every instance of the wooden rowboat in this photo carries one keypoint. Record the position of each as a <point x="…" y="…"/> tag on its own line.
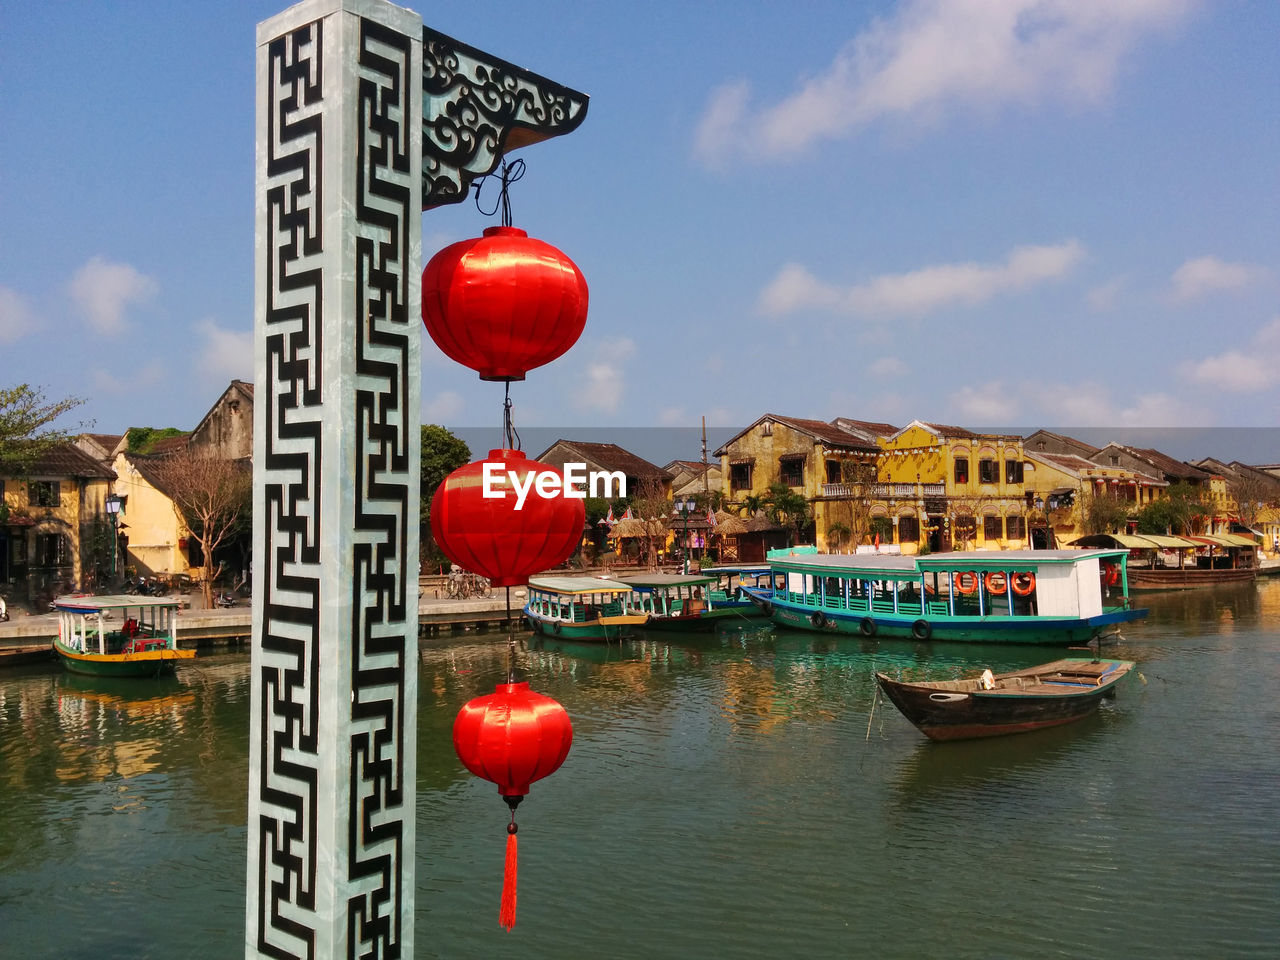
<point x="992" y="705"/>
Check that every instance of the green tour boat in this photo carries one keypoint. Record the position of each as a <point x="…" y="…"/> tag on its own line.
<point x="118" y="636"/>
<point x="581" y="608"/>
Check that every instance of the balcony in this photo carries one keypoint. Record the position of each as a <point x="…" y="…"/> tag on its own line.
<point x="883" y="491"/>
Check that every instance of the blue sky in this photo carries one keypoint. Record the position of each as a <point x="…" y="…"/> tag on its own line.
<point x="1059" y="213"/>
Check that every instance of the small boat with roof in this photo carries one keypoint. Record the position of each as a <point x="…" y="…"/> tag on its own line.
<point x="683" y="601"/>
<point x="118" y="636"/>
<point x="581" y="608"/>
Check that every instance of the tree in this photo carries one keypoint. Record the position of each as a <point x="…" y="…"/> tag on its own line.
<point x="143" y="440"/>
<point x="788" y="509"/>
<point x="26" y="433"/>
<point x="652" y="508"/>
<point x="1176" y="512"/>
<point x="1253" y="492"/>
<point x="852" y="512"/>
<point x="213" y="498"/>
<point x="1105" y="513"/>
<point x="442" y="453"/>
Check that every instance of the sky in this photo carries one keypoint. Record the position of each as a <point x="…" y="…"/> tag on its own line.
<point x="1041" y="213"/>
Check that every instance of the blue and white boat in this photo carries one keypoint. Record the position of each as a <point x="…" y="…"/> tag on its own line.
<point x="1007" y="596"/>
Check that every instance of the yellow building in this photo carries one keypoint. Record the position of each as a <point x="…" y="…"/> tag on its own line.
<point x="1059" y="484"/>
<point x="156" y="538"/>
<point x="958" y="490"/>
<point x="813" y="458"/>
<point x="54" y="533"/>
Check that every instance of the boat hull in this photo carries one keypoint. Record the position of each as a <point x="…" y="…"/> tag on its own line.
<point x="148" y="663"/>
<point x="1172" y="578"/>
<point x="705" y="621"/>
<point x="999" y="629"/>
<point x="603" y="630"/>
<point x="958" y="711"/>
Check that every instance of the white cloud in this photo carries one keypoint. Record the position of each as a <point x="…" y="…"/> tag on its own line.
<point x="16" y="316"/>
<point x="673" y="417"/>
<point x="939" y="55"/>
<point x="1073" y="404"/>
<point x="130" y="381"/>
<point x="103" y="290"/>
<point x="605" y="380"/>
<point x="1206" y="275"/>
<point x="1243" y="371"/>
<point x="987" y="404"/>
<point x="886" y="368"/>
<point x="223" y="354"/>
<point x="443" y="408"/>
<point x="1105" y="296"/>
<point x="923" y="290"/>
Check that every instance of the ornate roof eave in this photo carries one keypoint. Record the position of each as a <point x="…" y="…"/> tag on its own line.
<point x="476" y="108"/>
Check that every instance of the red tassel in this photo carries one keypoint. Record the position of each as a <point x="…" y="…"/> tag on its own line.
<point x="507" y="912"/>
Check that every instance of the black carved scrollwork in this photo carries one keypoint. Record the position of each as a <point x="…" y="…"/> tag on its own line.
<point x="476" y="108"/>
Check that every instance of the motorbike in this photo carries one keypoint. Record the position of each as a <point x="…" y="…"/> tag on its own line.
<point x="4" y="610"/>
<point x="224" y="600"/>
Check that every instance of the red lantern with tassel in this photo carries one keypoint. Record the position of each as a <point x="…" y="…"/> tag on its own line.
<point x="503" y="303"/>
<point x="512" y="737"/>
<point x="501" y="537"/>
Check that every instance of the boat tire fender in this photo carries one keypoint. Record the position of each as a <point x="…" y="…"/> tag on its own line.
<point x="555" y="628"/>
<point x="767" y="607"/>
<point x="819" y="619"/>
<point x="922" y="629"/>
<point x="867" y="627"/>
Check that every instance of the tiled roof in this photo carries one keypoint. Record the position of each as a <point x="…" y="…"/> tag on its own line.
<point x="68" y="460"/>
<point x="948" y="430"/>
<point x="867" y="427"/>
<point x="828" y="433"/>
<point x="1167" y="464"/>
<point x="610" y="456"/>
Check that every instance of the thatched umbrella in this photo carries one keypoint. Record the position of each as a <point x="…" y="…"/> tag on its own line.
<point x="730" y="526"/>
<point x="762" y="524"/>
<point x="628" y="529"/>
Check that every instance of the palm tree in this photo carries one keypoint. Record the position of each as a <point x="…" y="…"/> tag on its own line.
<point x="788" y="508"/>
<point x="838" y="535"/>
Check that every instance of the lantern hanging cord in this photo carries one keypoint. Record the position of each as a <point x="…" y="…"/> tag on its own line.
<point x="511" y="172"/>
<point x="510" y="438"/>
<point x="511" y="654"/>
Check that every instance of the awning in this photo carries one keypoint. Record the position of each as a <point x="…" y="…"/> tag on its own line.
<point x="1169" y="542"/>
<point x="1230" y="540"/>
<point x="742" y="461"/>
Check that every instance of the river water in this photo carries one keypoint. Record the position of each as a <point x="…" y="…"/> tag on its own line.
<point x="744" y="794"/>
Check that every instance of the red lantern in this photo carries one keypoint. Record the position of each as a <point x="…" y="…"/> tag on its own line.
<point x="512" y="737"/>
<point x="502" y="537"/>
<point x="503" y="303"/>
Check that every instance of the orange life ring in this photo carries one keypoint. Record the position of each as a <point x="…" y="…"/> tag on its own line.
<point x="966" y="582"/>
<point x="1023" y="583"/>
<point x="989" y="581"/>
<point x="1110" y="574"/>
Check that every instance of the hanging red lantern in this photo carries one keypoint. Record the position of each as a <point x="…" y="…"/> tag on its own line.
<point x="512" y="737"/>
<point x="503" y="303"/>
<point x="506" y="537"/>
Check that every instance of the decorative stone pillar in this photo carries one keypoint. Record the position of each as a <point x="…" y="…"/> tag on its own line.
<point x="336" y="473"/>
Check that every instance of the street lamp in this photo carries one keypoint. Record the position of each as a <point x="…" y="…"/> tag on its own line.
<point x="113" y="511"/>
<point x="684" y="507"/>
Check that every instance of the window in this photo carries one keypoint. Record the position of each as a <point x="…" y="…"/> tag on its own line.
<point x="992" y="528"/>
<point x="833" y="471"/>
<point x="1013" y="471"/>
<point x="908" y="529"/>
<point x="1016" y="527"/>
<point x="51" y="550"/>
<point x="988" y="471"/>
<point x="739" y="476"/>
<point x="792" y="471"/>
<point x="1115" y="460"/>
<point x="44" y="493"/>
<point x="962" y="469"/>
